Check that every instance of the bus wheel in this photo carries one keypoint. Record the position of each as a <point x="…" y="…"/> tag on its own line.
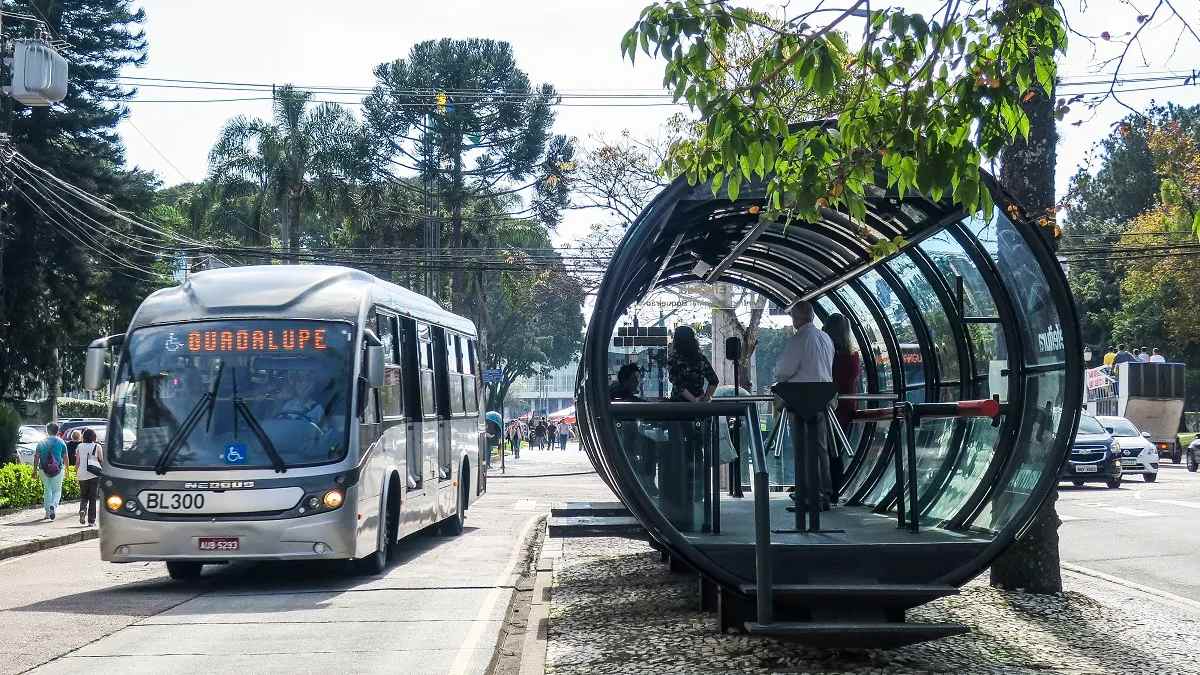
<point x="184" y="571"/>
<point x="453" y="526"/>
<point x="375" y="563"/>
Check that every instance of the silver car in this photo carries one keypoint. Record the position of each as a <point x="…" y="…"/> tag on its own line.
<point x="30" y="436"/>
<point x="1138" y="454"/>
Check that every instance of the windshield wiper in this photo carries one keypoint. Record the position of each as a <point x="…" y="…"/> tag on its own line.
<point x="185" y="429"/>
<point x="239" y="406"/>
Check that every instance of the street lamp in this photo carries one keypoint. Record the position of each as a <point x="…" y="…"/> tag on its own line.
<point x="1087" y="355"/>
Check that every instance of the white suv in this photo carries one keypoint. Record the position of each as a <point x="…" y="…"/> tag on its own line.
<point x="1137" y="452"/>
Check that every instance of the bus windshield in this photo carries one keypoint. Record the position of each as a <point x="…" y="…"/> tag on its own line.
<point x="233" y="394"/>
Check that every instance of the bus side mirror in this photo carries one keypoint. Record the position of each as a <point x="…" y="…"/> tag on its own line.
<point x="95" y="371"/>
<point x="374" y="368"/>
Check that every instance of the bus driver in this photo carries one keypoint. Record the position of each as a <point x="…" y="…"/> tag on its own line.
<point x="298" y="400"/>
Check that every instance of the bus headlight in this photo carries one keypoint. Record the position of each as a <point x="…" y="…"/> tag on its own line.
<point x="114" y="502"/>
<point x="332" y="499"/>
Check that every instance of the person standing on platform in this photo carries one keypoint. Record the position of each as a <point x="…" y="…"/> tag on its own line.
<point x="808" y="357"/>
<point x="846" y="369"/>
<point x="1123" y="356"/>
<point x="689" y="369"/>
<point x="1156" y="357"/>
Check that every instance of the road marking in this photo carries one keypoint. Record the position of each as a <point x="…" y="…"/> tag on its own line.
<point x="501" y="584"/>
<point x="1149" y="590"/>
<point x="1172" y="502"/>
<point x="1136" y="513"/>
<point x="1067" y="519"/>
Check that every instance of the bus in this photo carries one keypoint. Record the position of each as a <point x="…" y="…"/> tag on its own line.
<point x="287" y="412"/>
<point x="1151" y="395"/>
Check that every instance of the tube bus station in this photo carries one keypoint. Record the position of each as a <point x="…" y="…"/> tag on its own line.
<point x="967" y="402"/>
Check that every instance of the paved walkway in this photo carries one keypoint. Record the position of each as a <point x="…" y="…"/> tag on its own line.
<point x="27" y="530"/>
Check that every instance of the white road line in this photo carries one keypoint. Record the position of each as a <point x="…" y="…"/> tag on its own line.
<point x="1172" y="502"/>
<point x="1067" y="519"/>
<point x="1136" y="513"/>
<point x="499" y="585"/>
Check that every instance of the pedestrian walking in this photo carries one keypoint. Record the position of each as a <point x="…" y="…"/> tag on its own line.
<point x="515" y="436"/>
<point x="49" y="457"/>
<point x="551" y="435"/>
<point x="73" y="440"/>
<point x="564" y="435"/>
<point x="1157" y="357"/>
<point x="89" y="483"/>
<point x="539" y="434"/>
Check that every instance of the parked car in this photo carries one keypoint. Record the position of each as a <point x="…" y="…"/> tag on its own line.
<point x="1192" y="453"/>
<point x="29" y="436"/>
<point x="69" y="424"/>
<point x="1095" y="456"/>
<point x="1138" y="454"/>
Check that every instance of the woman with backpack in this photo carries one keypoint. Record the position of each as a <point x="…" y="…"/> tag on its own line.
<point x="88" y="451"/>
<point x="49" y="457"/>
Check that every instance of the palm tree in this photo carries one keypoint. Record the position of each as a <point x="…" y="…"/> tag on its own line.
<point x="304" y="156"/>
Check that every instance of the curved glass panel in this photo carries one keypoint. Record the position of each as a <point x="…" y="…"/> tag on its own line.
<point x="979" y="446"/>
<point x="865" y="321"/>
<point x="932" y="311"/>
<point x="951" y="261"/>
<point x="902" y="327"/>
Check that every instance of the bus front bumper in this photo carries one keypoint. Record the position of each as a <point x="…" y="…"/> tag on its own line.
<point x="329" y="535"/>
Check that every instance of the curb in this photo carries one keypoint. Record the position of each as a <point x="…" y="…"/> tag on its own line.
<point x="49" y="542"/>
<point x="1124" y="583"/>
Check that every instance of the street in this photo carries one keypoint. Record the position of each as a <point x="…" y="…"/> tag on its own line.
<point x="437" y="609"/>
<point x="1141" y="532"/>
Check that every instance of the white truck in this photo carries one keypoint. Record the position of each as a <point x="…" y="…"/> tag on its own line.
<point x="1151" y="395"/>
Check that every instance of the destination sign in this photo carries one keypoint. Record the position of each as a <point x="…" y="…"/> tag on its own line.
<point x="254" y="340"/>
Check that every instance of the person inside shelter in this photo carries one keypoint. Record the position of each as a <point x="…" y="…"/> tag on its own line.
<point x="808" y="357"/>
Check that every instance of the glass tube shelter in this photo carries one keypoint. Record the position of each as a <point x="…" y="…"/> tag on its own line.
<point x="969" y="309"/>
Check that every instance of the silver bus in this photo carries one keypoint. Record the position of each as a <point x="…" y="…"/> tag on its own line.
<point x="286" y="413"/>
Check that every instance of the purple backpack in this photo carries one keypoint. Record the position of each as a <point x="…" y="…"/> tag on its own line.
<point x="48" y="464"/>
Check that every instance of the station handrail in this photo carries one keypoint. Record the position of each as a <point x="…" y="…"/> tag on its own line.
<point x="762" y="521"/>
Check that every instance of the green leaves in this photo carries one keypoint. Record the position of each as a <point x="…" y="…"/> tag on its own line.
<point x="921" y="100"/>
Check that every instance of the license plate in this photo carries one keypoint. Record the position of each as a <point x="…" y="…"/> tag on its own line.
<point x="218" y="543"/>
<point x="1086" y="468"/>
<point x="1129" y="462"/>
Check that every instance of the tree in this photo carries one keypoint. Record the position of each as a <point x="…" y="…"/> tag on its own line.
<point x="532" y="320"/>
<point x="304" y="157"/>
<point x="466" y="121"/>
<point x="55" y="274"/>
<point x="1027" y="171"/>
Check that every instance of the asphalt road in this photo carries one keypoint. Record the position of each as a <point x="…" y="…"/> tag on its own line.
<point x="1145" y="533"/>
<point x="437" y="609"/>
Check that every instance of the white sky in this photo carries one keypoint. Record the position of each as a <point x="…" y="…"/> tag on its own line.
<point x="572" y="44"/>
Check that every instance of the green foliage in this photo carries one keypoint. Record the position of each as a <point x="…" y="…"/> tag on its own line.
<point x="10" y="423"/>
<point x="20" y="486"/>
<point x="930" y="97"/>
<point x="80" y="407"/>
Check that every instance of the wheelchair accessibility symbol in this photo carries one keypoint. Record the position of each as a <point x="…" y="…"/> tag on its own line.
<point x="235" y="453"/>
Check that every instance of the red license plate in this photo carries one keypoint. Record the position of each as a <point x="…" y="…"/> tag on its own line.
<point x="218" y="543"/>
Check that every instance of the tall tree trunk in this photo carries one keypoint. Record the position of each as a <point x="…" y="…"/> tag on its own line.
<point x="294" y="244"/>
<point x="285" y="225"/>
<point x="1027" y="171"/>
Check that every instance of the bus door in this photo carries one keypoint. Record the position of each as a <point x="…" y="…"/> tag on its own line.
<point x="446" y="474"/>
<point x="423" y="427"/>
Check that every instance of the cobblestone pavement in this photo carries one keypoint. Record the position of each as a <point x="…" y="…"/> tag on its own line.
<point x="617" y="609"/>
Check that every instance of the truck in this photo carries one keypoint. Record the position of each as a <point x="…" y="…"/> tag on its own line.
<point x="1151" y="395"/>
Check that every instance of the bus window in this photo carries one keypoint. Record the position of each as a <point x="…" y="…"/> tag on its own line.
<point x="391" y="394"/>
<point x="454" y="373"/>
<point x="470" y="377"/>
<point x="425" y="368"/>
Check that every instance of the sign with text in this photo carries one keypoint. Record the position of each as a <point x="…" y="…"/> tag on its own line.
<point x="493" y="375"/>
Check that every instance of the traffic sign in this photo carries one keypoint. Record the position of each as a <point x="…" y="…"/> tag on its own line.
<point x="493" y="375"/>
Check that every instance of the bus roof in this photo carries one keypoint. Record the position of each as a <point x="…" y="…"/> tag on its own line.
<point x="288" y="291"/>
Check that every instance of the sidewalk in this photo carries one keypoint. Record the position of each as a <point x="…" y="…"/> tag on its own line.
<point x="26" y="530"/>
<point x="615" y="608"/>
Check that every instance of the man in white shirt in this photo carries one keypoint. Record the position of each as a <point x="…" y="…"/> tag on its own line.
<point x="1157" y="357"/>
<point x="808" y="357"/>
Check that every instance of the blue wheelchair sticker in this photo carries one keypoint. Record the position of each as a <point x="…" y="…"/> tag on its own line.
<point x="235" y="453"/>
